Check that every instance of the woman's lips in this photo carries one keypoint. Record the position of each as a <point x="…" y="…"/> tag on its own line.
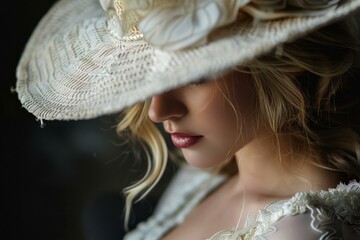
<point x="182" y="140"/>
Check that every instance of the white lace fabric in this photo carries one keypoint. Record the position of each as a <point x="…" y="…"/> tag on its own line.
<point x="325" y="215"/>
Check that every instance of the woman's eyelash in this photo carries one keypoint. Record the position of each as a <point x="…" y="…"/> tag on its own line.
<point x="201" y="81"/>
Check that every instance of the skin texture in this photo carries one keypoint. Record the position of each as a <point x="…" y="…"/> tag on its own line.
<point x="202" y="110"/>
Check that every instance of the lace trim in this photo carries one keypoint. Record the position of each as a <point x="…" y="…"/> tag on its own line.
<point x="344" y="199"/>
<point x="340" y="203"/>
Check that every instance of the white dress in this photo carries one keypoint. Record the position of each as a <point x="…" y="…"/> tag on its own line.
<point x="325" y="215"/>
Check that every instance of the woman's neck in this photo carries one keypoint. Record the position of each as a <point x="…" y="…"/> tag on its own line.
<point x="262" y="173"/>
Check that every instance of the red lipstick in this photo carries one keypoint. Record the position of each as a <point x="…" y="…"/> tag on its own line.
<point x="182" y="140"/>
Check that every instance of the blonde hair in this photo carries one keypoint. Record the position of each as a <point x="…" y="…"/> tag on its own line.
<point x="305" y="93"/>
<point x="302" y="92"/>
<point x="153" y="144"/>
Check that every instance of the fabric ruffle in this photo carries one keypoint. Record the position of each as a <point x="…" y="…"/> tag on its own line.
<point x="175" y="25"/>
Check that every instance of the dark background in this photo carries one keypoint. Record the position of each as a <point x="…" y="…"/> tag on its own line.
<point x="63" y="180"/>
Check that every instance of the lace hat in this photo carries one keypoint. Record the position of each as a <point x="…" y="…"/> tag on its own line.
<point x="88" y="58"/>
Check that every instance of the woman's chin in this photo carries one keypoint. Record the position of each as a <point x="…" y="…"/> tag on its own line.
<point x="199" y="161"/>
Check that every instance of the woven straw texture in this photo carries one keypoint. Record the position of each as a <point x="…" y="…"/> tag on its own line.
<point x="74" y="67"/>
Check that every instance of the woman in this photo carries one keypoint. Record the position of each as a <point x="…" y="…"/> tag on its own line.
<point x="260" y="96"/>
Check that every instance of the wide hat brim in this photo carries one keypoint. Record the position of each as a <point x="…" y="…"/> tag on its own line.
<point x="73" y="69"/>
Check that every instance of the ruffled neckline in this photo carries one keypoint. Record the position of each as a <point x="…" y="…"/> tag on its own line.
<point x="182" y="196"/>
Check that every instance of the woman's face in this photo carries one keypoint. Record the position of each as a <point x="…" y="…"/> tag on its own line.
<point x="208" y="121"/>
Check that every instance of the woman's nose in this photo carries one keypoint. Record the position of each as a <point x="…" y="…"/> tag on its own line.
<point x="165" y="107"/>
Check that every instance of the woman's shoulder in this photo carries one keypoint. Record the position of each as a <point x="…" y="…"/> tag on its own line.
<point x="331" y="214"/>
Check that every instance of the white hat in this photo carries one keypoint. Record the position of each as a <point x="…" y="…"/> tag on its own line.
<point x="88" y="58"/>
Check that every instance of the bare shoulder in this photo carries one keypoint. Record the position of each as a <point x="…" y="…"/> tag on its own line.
<point x="316" y="223"/>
